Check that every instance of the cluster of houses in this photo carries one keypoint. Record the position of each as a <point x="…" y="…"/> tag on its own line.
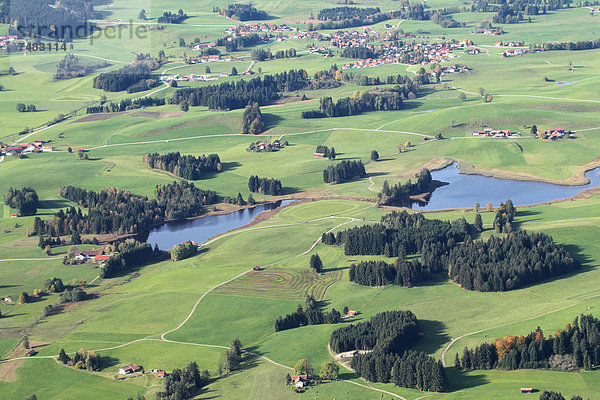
<point x="515" y="52"/>
<point x="205" y="59"/>
<point x="133" y="368"/>
<point x="345" y="39"/>
<point x="449" y="69"/>
<point x="555" y="133"/>
<point x="259" y="146"/>
<point x="201" y="46"/>
<point x="98" y="256"/>
<point x="189" y="78"/>
<point x="595" y="10"/>
<point x="510" y="44"/>
<point x="24" y="148"/>
<point x="242" y="30"/>
<point x="369" y="62"/>
<point x="7" y="40"/>
<point x="494" y="133"/>
<point x="488" y="31"/>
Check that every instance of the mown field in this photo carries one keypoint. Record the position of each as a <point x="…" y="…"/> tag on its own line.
<point x="136" y="318"/>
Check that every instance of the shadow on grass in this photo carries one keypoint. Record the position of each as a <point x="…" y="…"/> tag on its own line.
<point x="51" y="204"/>
<point x="434" y="336"/>
<point x="108" y="361"/>
<point x="271" y="120"/>
<point x="460" y="380"/>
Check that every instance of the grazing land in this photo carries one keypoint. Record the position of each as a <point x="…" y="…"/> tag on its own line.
<point x="163" y="314"/>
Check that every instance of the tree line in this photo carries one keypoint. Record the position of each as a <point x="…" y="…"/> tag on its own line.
<point x="126" y="104"/>
<point x="311" y="314"/>
<point x="236" y="95"/>
<point x="265" y="54"/>
<point x="380" y="273"/>
<point x="114" y="210"/>
<point x="25" y="200"/>
<point x="373" y="100"/>
<point x="269" y="186"/>
<point x="574" y="347"/>
<point x="399" y="234"/>
<point x="344" y="171"/>
<point x="388" y="337"/>
<point x="184" y="166"/>
<point x="580" y="45"/>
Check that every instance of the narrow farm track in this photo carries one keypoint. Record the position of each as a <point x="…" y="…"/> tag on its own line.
<point x="162" y="336"/>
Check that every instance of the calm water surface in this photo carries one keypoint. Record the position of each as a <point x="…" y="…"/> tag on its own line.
<point x="201" y="229"/>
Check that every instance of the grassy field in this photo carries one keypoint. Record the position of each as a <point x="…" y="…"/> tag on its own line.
<point x="153" y="317"/>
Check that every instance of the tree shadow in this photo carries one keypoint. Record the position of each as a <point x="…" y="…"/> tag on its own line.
<point x="227" y="166"/>
<point x="434" y="336"/>
<point x="52" y="204"/>
<point x="324" y="270"/>
<point x="271" y="120"/>
<point x="108" y="361"/>
<point x="460" y="380"/>
<point x="290" y="190"/>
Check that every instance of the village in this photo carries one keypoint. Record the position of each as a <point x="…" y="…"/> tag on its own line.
<point x="24" y="148"/>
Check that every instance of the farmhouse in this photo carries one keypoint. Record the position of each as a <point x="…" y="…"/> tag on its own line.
<point x="84" y="255"/>
<point x="526" y="390"/>
<point x="320" y="155"/>
<point x="129" y="369"/>
<point x="300" y="380"/>
<point x="30" y="353"/>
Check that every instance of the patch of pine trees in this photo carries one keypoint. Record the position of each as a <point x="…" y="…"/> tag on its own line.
<point x="70" y="67"/>
<point x="574" y="347"/>
<point x="114" y="210"/>
<point x="268" y="186"/>
<point x="498" y="264"/>
<point x="238" y="94"/>
<point x="244" y="12"/>
<point x="184" y="166"/>
<point x="311" y="314"/>
<point x="399" y="194"/>
<point x="133" y="78"/>
<point x="344" y="172"/>
<point x="374" y="100"/>
<point x="379" y="273"/>
<point x="388" y="338"/>
<point x="506" y="263"/>
<point x="172" y="18"/>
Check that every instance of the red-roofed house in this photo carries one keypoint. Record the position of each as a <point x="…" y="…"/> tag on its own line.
<point x="129" y="369"/>
<point x="102" y="257"/>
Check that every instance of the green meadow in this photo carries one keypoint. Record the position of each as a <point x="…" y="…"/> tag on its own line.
<point x="166" y="314"/>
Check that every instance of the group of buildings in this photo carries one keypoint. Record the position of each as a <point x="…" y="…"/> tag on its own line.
<point x="133" y="368"/>
<point x="98" y="256"/>
<point x="24" y="148"/>
<point x="494" y="133"/>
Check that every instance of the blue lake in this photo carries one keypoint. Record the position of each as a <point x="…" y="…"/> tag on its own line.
<point x="466" y="190"/>
<point x="201" y="229"/>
